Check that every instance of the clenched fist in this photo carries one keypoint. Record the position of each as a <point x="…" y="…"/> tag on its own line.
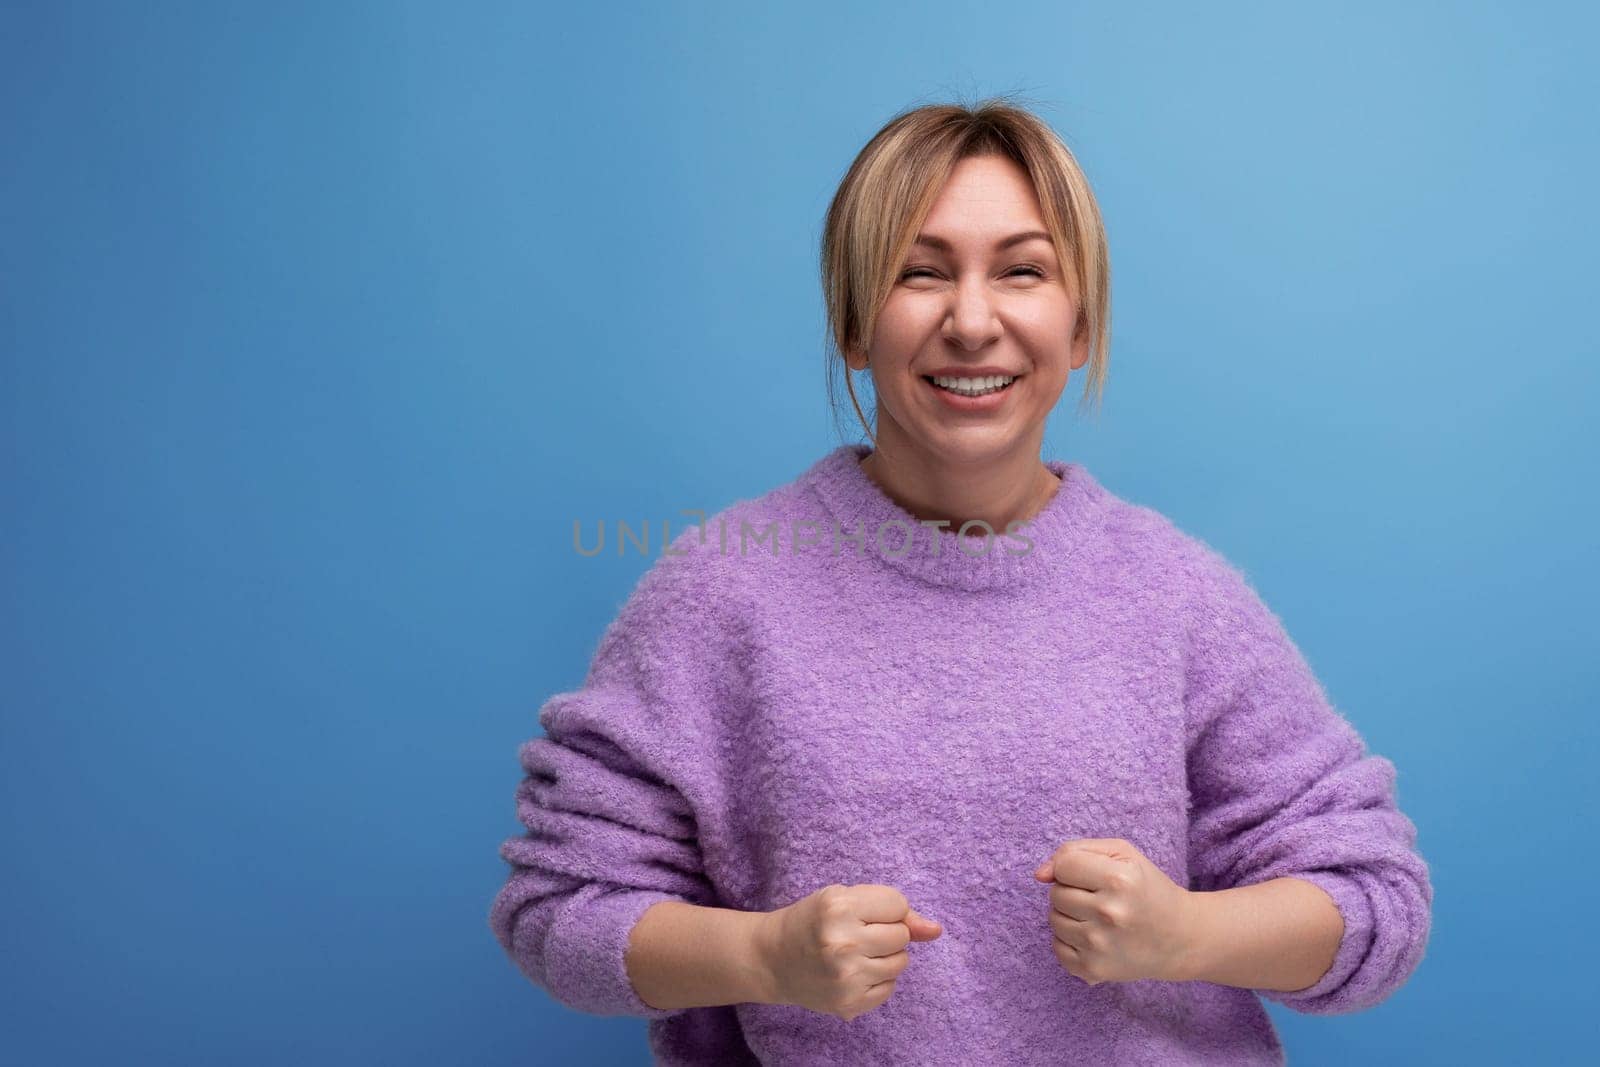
<point x="1115" y="915"/>
<point x="839" y="950"/>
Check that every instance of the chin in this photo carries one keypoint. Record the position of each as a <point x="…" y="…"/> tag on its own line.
<point x="975" y="444"/>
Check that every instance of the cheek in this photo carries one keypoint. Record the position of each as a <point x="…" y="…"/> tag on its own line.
<point x="1053" y="319"/>
<point x="908" y="319"/>
<point x="893" y="346"/>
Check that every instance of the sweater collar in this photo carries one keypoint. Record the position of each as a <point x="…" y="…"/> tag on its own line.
<point x="940" y="555"/>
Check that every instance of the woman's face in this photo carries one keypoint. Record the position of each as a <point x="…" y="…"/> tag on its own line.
<point x="966" y="303"/>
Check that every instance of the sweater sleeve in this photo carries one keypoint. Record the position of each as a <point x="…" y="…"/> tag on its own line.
<point x="1281" y="785"/>
<point x="607" y="802"/>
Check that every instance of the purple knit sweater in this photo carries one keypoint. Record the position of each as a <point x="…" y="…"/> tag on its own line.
<point x="834" y="702"/>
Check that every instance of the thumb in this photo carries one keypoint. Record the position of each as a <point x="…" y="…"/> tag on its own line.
<point x="922" y="927"/>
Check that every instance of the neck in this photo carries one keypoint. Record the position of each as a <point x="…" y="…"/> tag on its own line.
<point x="997" y="490"/>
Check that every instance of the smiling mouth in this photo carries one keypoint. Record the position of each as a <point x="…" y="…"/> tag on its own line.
<point x="972" y="386"/>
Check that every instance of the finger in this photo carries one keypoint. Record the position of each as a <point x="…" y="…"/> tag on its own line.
<point x="1114" y="847"/>
<point x="1069" y="959"/>
<point x="881" y="904"/>
<point x="1069" y="931"/>
<point x="1073" y="902"/>
<point x="1084" y="868"/>
<point x="875" y="969"/>
<point x="883" y="939"/>
<point x="1109" y="847"/>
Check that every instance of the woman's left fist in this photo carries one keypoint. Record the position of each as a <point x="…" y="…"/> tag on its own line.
<point x="1116" y="916"/>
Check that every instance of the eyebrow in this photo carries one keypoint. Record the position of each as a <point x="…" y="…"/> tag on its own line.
<point x="1015" y="239"/>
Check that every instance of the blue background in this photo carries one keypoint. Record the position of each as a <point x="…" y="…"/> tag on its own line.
<point x="321" y="323"/>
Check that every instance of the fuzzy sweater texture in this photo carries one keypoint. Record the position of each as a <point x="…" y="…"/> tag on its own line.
<point x="850" y="696"/>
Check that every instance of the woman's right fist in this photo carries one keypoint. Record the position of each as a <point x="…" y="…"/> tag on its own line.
<point x="839" y="950"/>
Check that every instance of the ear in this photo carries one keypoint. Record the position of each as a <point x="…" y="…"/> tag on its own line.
<point x="855" y="360"/>
<point x="1080" y="344"/>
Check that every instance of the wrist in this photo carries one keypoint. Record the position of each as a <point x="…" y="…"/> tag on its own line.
<point x="1189" y="962"/>
<point x="762" y="958"/>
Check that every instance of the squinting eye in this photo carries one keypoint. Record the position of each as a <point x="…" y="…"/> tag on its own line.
<point x="916" y="272"/>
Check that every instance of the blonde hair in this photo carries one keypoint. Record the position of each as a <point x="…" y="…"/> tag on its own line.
<point x="890" y="188"/>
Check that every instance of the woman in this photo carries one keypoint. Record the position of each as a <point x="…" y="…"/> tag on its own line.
<point x="939" y="691"/>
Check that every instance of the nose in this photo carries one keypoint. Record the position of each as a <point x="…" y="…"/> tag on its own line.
<point x="971" y="322"/>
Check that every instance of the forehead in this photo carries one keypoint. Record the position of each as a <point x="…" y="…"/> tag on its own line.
<point x="984" y="197"/>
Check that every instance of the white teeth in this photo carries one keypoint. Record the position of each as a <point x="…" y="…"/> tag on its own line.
<point x="974" y="386"/>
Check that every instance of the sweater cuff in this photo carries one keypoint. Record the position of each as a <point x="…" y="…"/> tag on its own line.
<point x="587" y="948"/>
<point x="1326" y="997"/>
